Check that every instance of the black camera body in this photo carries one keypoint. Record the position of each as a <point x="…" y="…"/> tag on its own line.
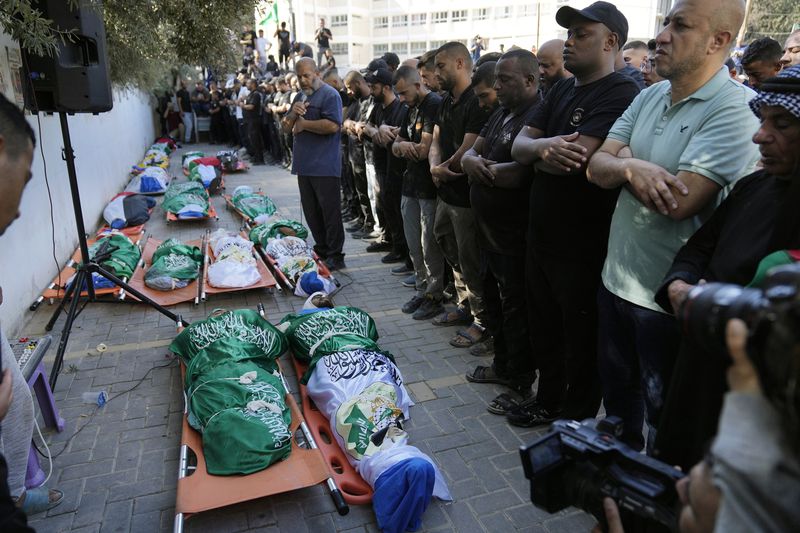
<point x="772" y="315"/>
<point x="579" y="463"/>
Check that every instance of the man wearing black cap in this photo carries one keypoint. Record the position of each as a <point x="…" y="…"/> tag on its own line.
<point x="569" y="217"/>
<point x="459" y="122"/>
<point x="382" y="129"/>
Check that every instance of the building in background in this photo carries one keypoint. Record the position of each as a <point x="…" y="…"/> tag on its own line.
<point x="364" y="29"/>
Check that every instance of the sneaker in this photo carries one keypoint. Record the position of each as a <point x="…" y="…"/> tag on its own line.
<point x="413" y="304"/>
<point x="379" y="247"/>
<point x="483" y="349"/>
<point x="374" y="234"/>
<point x="361" y="233"/>
<point x="392" y="257"/>
<point x="531" y="414"/>
<point x="357" y="226"/>
<point x="402" y="270"/>
<point x="429" y="309"/>
<point x="335" y="263"/>
<point x="410" y="281"/>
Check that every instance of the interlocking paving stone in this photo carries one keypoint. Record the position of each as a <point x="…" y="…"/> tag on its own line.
<point x="120" y="472"/>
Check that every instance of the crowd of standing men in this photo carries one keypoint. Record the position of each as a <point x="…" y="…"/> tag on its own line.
<point x="555" y="198"/>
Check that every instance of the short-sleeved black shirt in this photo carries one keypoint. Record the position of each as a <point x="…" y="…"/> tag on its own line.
<point x="305" y="50"/>
<point x="322" y="37"/>
<point x="394" y="115"/>
<point x="569" y="216"/>
<point x="248" y="37"/>
<point x="283" y="37"/>
<point x="502" y="214"/>
<point x="417" y="182"/>
<point x="455" y="120"/>
<point x="185" y="100"/>
<point x="254" y="99"/>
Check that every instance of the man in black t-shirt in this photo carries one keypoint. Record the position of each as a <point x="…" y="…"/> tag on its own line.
<point x="272" y="66"/>
<point x="382" y="130"/>
<point x="185" y="108"/>
<point x="301" y="50"/>
<point x="285" y="45"/>
<point x="356" y="116"/>
<point x="323" y="36"/>
<point x="499" y="194"/>
<point x="252" y="122"/>
<point x="418" y="204"/>
<point x="458" y="124"/>
<point x="570" y="217"/>
<point x="248" y="37"/>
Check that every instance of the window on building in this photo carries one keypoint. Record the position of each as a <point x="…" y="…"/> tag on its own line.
<point x="339" y="49"/>
<point x="400" y="49"/>
<point x="459" y="15"/>
<point x="380" y="49"/>
<point x="419" y="19"/>
<point x="503" y="12"/>
<point x="399" y="21"/>
<point x="338" y="21"/>
<point x="480" y="14"/>
<point x="435" y="44"/>
<point x="416" y="48"/>
<point x="526" y="11"/>
<point x="440" y="17"/>
<point x="381" y="22"/>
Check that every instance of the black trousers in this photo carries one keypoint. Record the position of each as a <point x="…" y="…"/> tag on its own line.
<point x="562" y="311"/>
<point x="359" y="169"/>
<point x="391" y="188"/>
<point x="232" y="128"/>
<point x="255" y="146"/>
<point x="504" y="298"/>
<point x="218" y="130"/>
<point x="319" y="196"/>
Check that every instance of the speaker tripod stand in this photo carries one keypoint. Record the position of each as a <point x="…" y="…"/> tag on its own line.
<point x="86" y="269"/>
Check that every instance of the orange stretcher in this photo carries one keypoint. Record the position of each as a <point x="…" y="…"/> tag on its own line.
<point x="196" y="290"/>
<point x="56" y="289"/>
<point x="212" y="213"/>
<point x="199" y="491"/>
<point x="283" y="281"/>
<point x="355" y="490"/>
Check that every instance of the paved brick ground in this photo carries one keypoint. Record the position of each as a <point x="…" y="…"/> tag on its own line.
<point x="119" y="471"/>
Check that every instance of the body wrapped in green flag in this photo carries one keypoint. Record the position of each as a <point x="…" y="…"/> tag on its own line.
<point x="254" y="205"/>
<point x="117" y="253"/>
<point x="174" y="266"/>
<point x="277" y="228"/>
<point x="329" y="331"/>
<point x="235" y="396"/>
<point x="186" y="199"/>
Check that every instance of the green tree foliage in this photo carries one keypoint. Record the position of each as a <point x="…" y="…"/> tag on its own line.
<point x="149" y="41"/>
<point x="772" y="18"/>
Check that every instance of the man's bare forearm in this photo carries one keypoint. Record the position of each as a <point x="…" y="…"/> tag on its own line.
<point x="608" y="171"/>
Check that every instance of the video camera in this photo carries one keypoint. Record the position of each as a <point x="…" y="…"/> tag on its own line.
<point x="772" y="315"/>
<point x="579" y="463"/>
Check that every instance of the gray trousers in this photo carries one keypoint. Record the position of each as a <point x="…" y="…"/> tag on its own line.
<point x="15" y="438"/>
<point x="457" y="235"/>
<point x="419" y="215"/>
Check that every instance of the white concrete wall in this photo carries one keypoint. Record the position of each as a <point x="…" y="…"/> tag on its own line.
<point x="105" y="147"/>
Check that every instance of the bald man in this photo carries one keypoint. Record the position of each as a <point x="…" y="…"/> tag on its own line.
<point x="791" y="50"/>
<point x="672" y="152"/>
<point x="551" y="64"/>
<point x="315" y="120"/>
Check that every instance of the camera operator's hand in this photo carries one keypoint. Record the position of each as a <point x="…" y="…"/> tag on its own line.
<point x="742" y="377"/>
<point x="612" y="517"/>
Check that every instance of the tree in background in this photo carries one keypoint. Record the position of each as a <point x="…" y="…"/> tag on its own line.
<point x="771" y="18"/>
<point x="148" y="40"/>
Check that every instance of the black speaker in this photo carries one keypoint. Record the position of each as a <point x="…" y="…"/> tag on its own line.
<point x="76" y="80"/>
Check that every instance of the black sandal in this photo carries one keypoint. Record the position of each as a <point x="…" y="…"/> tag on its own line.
<point x="486" y="374"/>
<point x="503" y="404"/>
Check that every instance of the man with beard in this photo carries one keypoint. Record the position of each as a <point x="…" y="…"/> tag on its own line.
<point x="427" y="71"/>
<point x="499" y="195"/>
<point x="459" y="122"/>
<point x="315" y="120"/>
<point x="357" y="114"/>
<point x="551" y="65"/>
<point x="569" y="217"/>
<point x="418" y="204"/>
<point x="678" y="145"/>
<point x="382" y="129"/>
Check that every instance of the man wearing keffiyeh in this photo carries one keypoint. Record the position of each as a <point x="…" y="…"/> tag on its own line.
<point x="759" y="217"/>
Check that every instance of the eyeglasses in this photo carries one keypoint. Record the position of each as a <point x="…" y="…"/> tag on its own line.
<point x="648" y="65"/>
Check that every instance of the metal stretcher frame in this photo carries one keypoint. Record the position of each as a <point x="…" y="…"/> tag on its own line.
<point x="284" y="282"/>
<point x="199" y="491"/>
<point x="56" y="289"/>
